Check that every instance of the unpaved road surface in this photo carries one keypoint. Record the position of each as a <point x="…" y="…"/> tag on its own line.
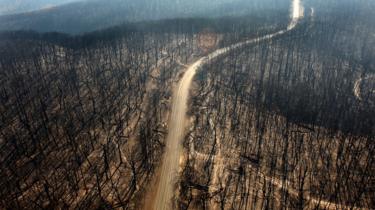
<point x="170" y="165"/>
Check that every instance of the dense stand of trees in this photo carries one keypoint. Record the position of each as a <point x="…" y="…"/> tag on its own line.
<point x="277" y="125"/>
<point x="84" y="128"/>
<point x="231" y="27"/>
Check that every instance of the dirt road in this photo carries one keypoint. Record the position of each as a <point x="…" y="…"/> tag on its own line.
<point x="170" y="166"/>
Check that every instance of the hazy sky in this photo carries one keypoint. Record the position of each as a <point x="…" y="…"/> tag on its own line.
<point x="18" y="6"/>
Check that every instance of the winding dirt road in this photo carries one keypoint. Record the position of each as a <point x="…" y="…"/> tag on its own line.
<point x="357" y="86"/>
<point x="170" y="165"/>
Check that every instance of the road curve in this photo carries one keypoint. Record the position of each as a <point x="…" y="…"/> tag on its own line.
<point x="357" y="86"/>
<point x="171" y="158"/>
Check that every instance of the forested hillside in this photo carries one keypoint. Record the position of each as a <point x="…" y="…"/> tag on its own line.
<point x="92" y="15"/>
<point x="171" y="104"/>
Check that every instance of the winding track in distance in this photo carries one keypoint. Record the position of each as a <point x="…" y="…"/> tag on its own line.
<point x="357" y="86"/>
<point x="170" y="165"/>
